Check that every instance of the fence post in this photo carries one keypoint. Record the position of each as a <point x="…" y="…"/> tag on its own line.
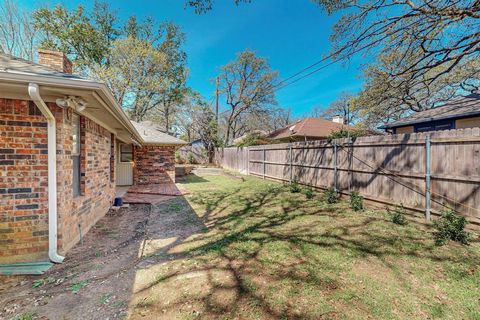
<point x="248" y="161"/>
<point x="350" y="164"/>
<point x="264" y="159"/>
<point x="290" y="162"/>
<point x="427" y="177"/>
<point x="335" y="166"/>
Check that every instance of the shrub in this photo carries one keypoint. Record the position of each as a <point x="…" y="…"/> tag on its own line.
<point x="356" y="201"/>
<point x="294" y="187"/>
<point x="253" y="139"/>
<point x="178" y="158"/>
<point x="398" y="215"/>
<point x="331" y="196"/>
<point x="309" y="193"/>
<point x="450" y="226"/>
<point x="191" y="158"/>
<point x="344" y="133"/>
<point x="29" y="315"/>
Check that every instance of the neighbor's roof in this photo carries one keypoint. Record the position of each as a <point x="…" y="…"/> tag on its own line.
<point x="151" y="134"/>
<point x="309" y="127"/>
<point x="242" y="138"/>
<point x="456" y="108"/>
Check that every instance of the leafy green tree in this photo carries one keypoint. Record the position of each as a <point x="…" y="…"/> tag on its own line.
<point x="87" y="39"/>
<point x="142" y="62"/>
<point x="247" y="85"/>
<point x="425" y="52"/>
<point x="148" y="79"/>
<point x="205" y="126"/>
<point x="173" y="88"/>
<point x="135" y="75"/>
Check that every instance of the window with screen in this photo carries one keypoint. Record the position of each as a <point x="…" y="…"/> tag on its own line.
<point x="76" y="153"/>
<point x="126" y="153"/>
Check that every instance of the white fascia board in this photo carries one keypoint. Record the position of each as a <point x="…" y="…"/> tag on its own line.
<point x="117" y="112"/>
<point x="43" y="80"/>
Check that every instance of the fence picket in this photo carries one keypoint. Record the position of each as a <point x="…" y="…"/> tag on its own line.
<point x="388" y="169"/>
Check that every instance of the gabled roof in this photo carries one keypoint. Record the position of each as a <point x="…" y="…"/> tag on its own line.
<point x="456" y="108"/>
<point x="309" y="127"/>
<point x="11" y="64"/>
<point x="152" y="134"/>
<point x="17" y="73"/>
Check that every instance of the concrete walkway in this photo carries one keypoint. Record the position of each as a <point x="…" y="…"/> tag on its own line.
<point x="152" y="193"/>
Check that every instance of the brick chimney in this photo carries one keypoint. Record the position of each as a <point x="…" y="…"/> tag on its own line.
<point x="56" y="60"/>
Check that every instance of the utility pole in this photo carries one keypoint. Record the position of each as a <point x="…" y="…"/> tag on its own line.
<point x="350" y="154"/>
<point x="217" y="80"/>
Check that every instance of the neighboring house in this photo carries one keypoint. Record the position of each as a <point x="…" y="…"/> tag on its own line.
<point x="195" y="150"/>
<point x="154" y="160"/>
<point x="197" y="143"/>
<point x="65" y="143"/>
<point x="309" y="129"/>
<point x="256" y="133"/>
<point x="460" y="113"/>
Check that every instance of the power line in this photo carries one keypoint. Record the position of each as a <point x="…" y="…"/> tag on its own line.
<point x="303" y="70"/>
<point x="308" y="74"/>
<point x="284" y="83"/>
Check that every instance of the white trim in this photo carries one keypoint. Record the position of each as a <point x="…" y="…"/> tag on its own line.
<point x="88" y="115"/>
<point x="34" y="93"/>
<point x="125" y="121"/>
<point x="120" y="153"/>
<point x="112" y="106"/>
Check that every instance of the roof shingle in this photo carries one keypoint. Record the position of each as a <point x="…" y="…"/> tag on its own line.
<point x="151" y="134"/>
<point x="11" y="64"/>
<point x="309" y="127"/>
<point x="459" y="107"/>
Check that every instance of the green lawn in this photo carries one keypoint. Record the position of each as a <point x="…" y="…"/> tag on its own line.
<point x="262" y="252"/>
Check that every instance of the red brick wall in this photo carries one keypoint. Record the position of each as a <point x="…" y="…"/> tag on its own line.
<point x="154" y="164"/>
<point x="24" y="180"/>
<point x="97" y="189"/>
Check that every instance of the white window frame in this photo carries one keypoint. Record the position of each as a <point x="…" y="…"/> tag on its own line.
<point x="120" y="153"/>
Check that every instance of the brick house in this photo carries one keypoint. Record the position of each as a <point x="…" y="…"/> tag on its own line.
<point x="309" y="129"/>
<point x="65" y="144"/>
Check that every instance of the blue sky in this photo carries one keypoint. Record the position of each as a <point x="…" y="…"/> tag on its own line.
<point x="291" y="34"/>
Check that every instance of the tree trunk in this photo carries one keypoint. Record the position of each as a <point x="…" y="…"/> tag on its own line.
<point x="211" y="153"/>
<point x="167" y="116"/>
<point x="227" y="134"/>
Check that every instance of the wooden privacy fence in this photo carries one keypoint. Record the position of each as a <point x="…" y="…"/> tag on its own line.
<point x="235" y="159"/>
<point x="423" y="171"/>
<point x="199" y="153"/>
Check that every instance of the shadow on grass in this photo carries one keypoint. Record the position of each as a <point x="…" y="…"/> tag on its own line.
<point x="276" y="248"/>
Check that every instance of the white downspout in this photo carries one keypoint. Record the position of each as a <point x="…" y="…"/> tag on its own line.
<point x="34" y="94"/>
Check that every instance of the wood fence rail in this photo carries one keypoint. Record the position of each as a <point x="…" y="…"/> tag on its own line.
<point x="424" y="172"/>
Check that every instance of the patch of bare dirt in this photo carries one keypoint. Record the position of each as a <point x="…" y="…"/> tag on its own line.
<point x="95" y="280"/>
